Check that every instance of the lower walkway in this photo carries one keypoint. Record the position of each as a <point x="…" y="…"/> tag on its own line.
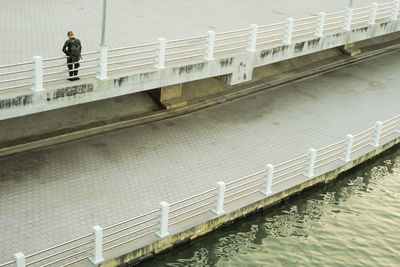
<point x="57" y="193"/>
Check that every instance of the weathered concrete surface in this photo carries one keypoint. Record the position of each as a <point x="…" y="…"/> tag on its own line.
<point x="238" y="67"/>
<point x="44" y="23"/>
<point x="55" y="194"/>
<point x="57" y="122"/>
<point x="93" y="118"/>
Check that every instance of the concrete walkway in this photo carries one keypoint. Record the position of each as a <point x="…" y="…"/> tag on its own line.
<point x="55" y="194"/>
<point x="38" y="28"/>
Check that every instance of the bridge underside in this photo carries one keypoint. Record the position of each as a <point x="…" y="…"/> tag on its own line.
<point x="94" y="117"/>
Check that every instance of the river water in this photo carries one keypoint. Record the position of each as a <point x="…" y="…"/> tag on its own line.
<point x="353" y="221"/>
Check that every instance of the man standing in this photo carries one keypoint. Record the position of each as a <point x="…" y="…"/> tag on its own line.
<point x="72" y="48"/>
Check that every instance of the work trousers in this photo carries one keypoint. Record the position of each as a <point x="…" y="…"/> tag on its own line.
<point x="73" y="65"/>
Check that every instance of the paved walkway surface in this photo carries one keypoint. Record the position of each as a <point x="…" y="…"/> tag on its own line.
<point x="57" y="193"/>
<point x="38" y="28"/>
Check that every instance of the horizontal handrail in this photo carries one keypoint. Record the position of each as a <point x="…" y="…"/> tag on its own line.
<point x="192" y="203"/>
<point x="192" y="197"/>
<point x="129" y="220"/>
<point x="15" y="72"/>
<point x="16" y="86"/>
<point x="291" y="160"/>
<point x="332" y="145"/>
<point x="286" y="173"/>
<point x="130" y="227"/>
<point x="232" y="37"/>
<point x="245" y="177"/>
<point x="133" y="53"/>
<point x="329" y="157"/>
<point x="289" y="166"/>
<point x="180" y="58"/>
<point x="331" y="150"/>
<point x="130" y="233"/>
<point x="127" y="241"/>
<point x="230" y="32"/>
<point x="273" y="24"/>
<point x="59" y="252"/>
<point x="243" y="196"/>
<point x="186" y="39"/>
<point x="131" y="47"/>
<point x="16" y="64"/>
<point x="191" y="210"/>
<point x="246" y="183"/>
<point x="244" y="190"/>
<point x="287" y="179"/>
<point x="132" y="66"/>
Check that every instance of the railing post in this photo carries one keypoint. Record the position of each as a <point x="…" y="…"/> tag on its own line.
<point x="347" y="149"/>
<point x="252" y="38"/>
<point x="320" y="24"/>
<point x="269" y="175"/>
<point x="377" y="133"/>
<point x="348" y="18"/>
<point x="98" y="245"/>
<point x="372" y="15"/>
<point x="312" y="155"/>
<point x="38" y="69"/>
<point x="163" y="231"/>
<point x="160" y="54"/>
<point x="103" y="63"/>
<point x="395" y="11"/>
<point x="210" y="46"/>
<point x="288" y="31"/>
<point x="219" y="208"/>
<point x="19" y="259"/>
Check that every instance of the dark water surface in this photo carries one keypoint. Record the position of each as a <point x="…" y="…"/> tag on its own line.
<point x="353" y="221"/>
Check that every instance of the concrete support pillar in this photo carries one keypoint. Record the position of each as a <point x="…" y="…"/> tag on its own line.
<point x="395" y="11"/>
<point x="219" y="208"/>
<point x="269" y="175"/>
<point x="348" y="19"/>
<point x="372" y="15"/>
<point x="252" y="38"/>
<point x="288" y="31"/>
<point x="312" y="155"/>
<point x="348" y="146"/>
<point x="19" y="259"/>
<point x="170" y="92"/>
<point x="320" y="24"/>
<point x="160" y="60"/>
<point x="164" y="213"/>
<point x="97" y="256"/>
<point x="377" y="133"/>
<point x="350" y="49"/>
<point x="210" y="45"/>
<point x="102" y="75"/>
<point x="38" y="75"/>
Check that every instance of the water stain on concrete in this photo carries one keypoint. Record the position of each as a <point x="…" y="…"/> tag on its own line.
<point x="15" y="102"/>
<point x="375" y="86"/>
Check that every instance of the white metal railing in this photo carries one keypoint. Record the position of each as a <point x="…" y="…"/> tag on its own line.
<point x="158" y="54"/>
<point x="156" y="223"/>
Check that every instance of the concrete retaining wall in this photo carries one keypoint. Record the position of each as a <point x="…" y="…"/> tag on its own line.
<point x="211" y="225"/>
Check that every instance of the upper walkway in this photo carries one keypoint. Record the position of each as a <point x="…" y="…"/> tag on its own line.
<point x="58" y="193"/>
<point x="39" y="28"/>
<point x="219" y="42"/>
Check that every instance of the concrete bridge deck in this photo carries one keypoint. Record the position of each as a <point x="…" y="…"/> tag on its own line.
<point x="39" y="27"/>
<point x="57" y="193"/>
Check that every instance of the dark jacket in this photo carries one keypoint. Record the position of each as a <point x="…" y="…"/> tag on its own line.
<point x="68" y="49"/>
